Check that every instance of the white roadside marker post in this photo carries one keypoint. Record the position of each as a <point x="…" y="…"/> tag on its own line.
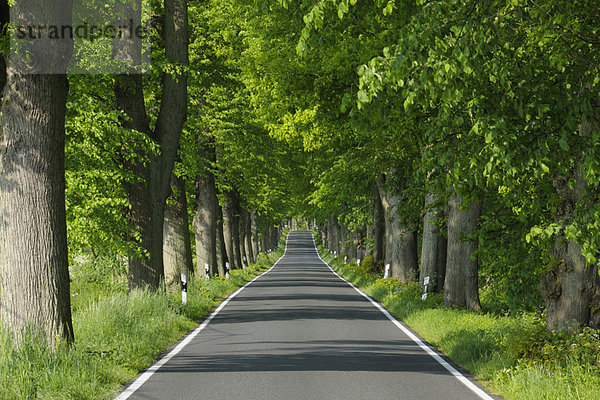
<point x="358" y="262"/>
<point x="387" y="271"/>
<point x="425" y="283"/>
<point x="345" y="258"/>
<point x="183" y="288"/>
<point x="227" y="269"/>
<point x="206" y="269"/>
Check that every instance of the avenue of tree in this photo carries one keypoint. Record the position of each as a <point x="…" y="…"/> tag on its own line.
<point x="455" y="140"/>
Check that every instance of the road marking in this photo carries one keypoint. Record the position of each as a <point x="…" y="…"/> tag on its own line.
<point x="131" y="389"/>
<point x="453" y="371"/>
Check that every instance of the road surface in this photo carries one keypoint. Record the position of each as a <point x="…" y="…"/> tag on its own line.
<point x="300" y="332"/>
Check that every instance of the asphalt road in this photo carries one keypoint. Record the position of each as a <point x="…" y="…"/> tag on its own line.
<point x="300" y="332"/>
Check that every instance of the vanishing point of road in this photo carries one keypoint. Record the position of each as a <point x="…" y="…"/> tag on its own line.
<point x="299" y="332"/>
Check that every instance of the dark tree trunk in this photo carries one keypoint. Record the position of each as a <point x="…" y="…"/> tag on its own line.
<point x="254" y="232"/>
<point x="400" y="238"/>
<point x="461" y="287"/>
<point x="147" y="195"/>
<point x="235" y="233"/>
<point x="433" y="250"/>
<point x="228" y="233"/>
<point x="177" y="249"/>
<point x="248" y="237"/>
<point x="222" y="259"/>
<point x="571" y="289"/>
<point x="378" y="230"/>
<point x="263" y="239"/>
<point x="242" y="236"/>
<point x="270" y="235"/>
<point x="359" y="242"/>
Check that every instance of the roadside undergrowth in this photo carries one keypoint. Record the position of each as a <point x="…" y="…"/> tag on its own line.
<point x="117" y="335"/>
<point x="512" y="355"/>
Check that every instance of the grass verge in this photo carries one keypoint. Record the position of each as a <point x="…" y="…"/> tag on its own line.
<point x="513" y="356"/>
<point x="116" y="334"/>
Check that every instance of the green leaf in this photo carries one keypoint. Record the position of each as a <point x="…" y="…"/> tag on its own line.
<point x="363" y="97"/>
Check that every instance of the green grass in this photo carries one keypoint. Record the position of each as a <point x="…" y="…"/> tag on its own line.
<point x="116" y="334"/>
<point x="512" y="355"/>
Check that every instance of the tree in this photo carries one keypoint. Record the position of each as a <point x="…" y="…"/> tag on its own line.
<point x="177" y="250"/>
<point x="400" y="237"/>
<point x="148" y="193"/>
<point x="34" y="276"/>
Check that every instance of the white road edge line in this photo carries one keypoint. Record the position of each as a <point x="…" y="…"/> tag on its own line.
<point x="131" y="389"/>
<point x="477" y="390"/>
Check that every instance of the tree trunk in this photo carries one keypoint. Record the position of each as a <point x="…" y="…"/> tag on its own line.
<point x="334" y="235"/>
<point x="461" y="287"/>
<point x="254" y="233"/>
<point x="222" y="259"/>
<point x="248" y="237"/>
<point x="359" y="242"/>
<point x="227" y="209"/>
<point x="177" y="249"/>
<point x="323" y="230"/>
<point x="148" y="194"/>
<point x="353" y="245"/>
<point x="433" y="250"/>
<point x="343" y="240"/>
<point x="242" y="236"/>
<point x="34" y="269"/>
<point x="571" y="289"/>
<point x="263" y="239"/>
<point x="235" y="233"/>
<point x="400" y="238"/>
<point x="378" y="230"/>
<point x="205" y="224"/>
<point x="329" y="244"/>
<point x="270" y="234"/>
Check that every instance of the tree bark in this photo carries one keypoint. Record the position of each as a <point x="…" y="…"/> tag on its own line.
<point x="334" y="235"/>
<point x="205" y="224"/>
<point x="222" y="259"/>
<point x="248" y="237"/>
<point x="433" y="250"/>
<point x="34" y="269"/>
<point x="378" y="230"/>
<point x="228" y="234"/>
<point x="323" y="230"/>
<point x="359" y="242"/>
<point x="235" y="232"/>
<point x="177" y="249"/>
<point x="400" y="238"/>
<point x="461" y="287"/>
<point x="147" y="195"/>
<point x="344" y="240"/>
<point x="254" y="232"/>
<point x="263" y="239"/>
<point x="242" y="236"/>
<point x="571" y="289"/>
